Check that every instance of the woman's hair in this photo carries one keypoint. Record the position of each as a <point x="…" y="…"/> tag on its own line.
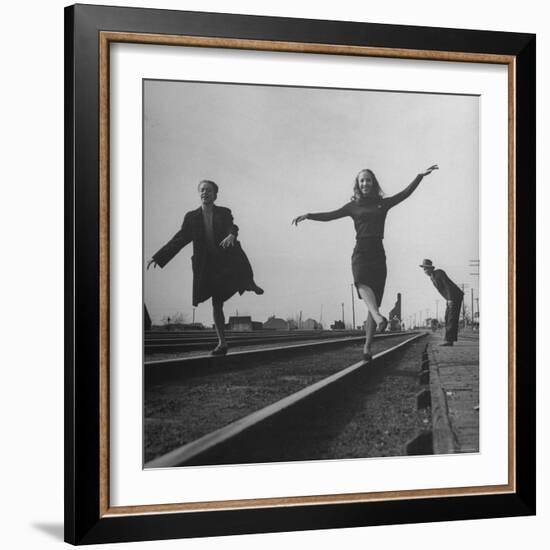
<point x="376" y="189"/>
<point x="212" y="183"/>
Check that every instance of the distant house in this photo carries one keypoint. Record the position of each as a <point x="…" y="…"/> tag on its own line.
<point x="194" y="326"/>
<point x="274" y="323"/>
<point x="338" y="325"/>
<point x="240" y="323"/>
<point x="311" y="324"/>
<point x="292" y="324"/>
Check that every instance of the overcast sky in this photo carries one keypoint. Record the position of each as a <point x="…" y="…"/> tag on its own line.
<point x="277" y="152"/>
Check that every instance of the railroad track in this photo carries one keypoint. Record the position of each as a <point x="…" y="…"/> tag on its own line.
<point x="159" y="370"/>
<point x="164" y="343"/>
<point x="278" y="430"/>
<point x="210" y="333"/>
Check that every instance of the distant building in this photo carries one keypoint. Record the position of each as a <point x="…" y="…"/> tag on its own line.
<point x="311" y="324"/>
<point x="394" y="315"/>
<point x="292" y="324"/>
<point x="194" y="326"/>
<point x="275" y="323"/>
<point x="338" y="325"/>
<point x="180" y="327"/>
<point x="240" y="323"/>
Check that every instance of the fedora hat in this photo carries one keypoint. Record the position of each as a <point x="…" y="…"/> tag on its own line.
<point x="426" y="263"/>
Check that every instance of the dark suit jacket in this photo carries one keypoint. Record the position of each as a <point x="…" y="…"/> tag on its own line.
<point x="230" y="264"/>
<point x="445" y="286"/>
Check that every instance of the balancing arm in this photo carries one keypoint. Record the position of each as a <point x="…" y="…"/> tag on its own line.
<point x="323" y="216"/>
<point x="394" y="200"/>
<point x="182" y="238"/>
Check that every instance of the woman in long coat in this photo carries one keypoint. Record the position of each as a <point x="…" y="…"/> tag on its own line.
<point x="220" y="266"/>
<point x="368" y="208"/>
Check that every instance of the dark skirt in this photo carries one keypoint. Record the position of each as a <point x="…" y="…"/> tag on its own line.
<point x="368" y="264"/>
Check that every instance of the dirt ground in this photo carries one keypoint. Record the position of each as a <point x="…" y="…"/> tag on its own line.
<point x="383" y="404"/>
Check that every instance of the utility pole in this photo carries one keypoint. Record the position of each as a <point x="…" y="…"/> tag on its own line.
<point x="464" y="286"/>
<point x="194" y="315"/>
<point x="343" y="321"/>
<point x="352" y="307"/>
<point x="472" y="312"/>
<point x="463" y="308"/>
<point x="437" y="310"/>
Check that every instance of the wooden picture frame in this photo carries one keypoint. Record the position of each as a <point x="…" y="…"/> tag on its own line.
<point x="89" y="33"/>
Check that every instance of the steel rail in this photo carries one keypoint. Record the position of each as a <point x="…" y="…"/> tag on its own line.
<point x="172" y="345"/>
<point x="260" y="351"/>
<point x="185" y="453"/>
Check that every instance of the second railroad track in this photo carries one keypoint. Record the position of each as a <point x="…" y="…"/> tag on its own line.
<point x="307" y="407"/>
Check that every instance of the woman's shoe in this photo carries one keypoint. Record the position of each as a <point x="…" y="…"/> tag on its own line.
<point x="382" y="325"/>
<point x="219" y="350"/>
<point x="256" y="289"/>
<point x="367" y="357"/>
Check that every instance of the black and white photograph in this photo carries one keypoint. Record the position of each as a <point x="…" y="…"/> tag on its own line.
<point x="275" y="275"/>
<point x="311" y="273"/>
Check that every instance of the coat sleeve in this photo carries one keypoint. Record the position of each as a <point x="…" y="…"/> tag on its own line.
<point x="442" y="283"/>
<point x="230" y="227"/>
<point x="182" y="238"/>
<point x="446" y="287"/>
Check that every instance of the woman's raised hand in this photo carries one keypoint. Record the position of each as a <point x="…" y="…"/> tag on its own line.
<point x="299" y="219"/>
<point x="151" y="261"/>
<point x="429" y="170"/>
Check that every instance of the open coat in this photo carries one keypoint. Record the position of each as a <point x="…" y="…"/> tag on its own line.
<point x="217" y="275"/>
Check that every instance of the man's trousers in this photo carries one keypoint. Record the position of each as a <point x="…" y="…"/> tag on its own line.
<point x="452" y="316"/>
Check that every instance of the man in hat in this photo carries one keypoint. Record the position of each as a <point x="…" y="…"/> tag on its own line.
<point x="452" y="294"/>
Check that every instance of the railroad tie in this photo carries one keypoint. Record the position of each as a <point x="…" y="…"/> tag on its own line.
<point x="422" y="443"/>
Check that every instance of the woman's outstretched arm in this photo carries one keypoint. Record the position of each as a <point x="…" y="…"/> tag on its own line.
<point x="323" y="216"/>
<point x="182" y="238"/>
<point x="392" y="201"/>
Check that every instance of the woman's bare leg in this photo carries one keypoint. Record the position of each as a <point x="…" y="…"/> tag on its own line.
<point x="370" y="329"/>
<point x="368" y="296"/>
<point x="374" y="318"/>
<point x="219" y="321"/>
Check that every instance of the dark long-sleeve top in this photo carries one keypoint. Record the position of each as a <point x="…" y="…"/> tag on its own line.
<point x="368" y="214"/>
<point x="445" y="286"/>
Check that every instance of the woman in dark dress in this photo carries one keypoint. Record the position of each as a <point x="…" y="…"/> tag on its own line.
<point x="368" y="208"/>
<point x="220" y="266"/>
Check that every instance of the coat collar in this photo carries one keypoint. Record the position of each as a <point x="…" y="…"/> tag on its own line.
<point x="199" y="221"/>
<point x="215" y="208"/>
